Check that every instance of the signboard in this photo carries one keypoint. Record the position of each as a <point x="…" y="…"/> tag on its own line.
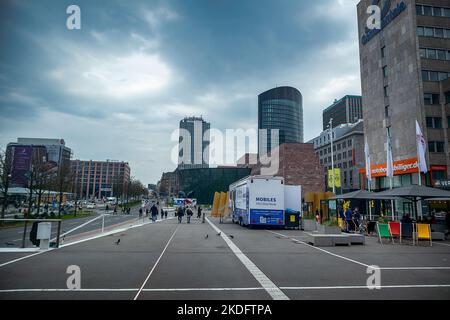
<point x="400" y="167"/>
<point x="21" y="165"/>
<point x="442" y="184"/>
<point x="337" y="178"/>
<point x="388" y="14"/>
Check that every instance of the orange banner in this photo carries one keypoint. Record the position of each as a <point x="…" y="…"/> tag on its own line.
<point x="400" y="167"/>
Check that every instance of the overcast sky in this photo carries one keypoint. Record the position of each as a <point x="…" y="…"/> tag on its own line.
<point x="117" y="88"/>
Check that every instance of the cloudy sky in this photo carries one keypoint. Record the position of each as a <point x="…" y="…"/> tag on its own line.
<point x="117" y="88"/>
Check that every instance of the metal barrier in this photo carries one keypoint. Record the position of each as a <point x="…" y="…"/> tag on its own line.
<point x="35" y="220"/>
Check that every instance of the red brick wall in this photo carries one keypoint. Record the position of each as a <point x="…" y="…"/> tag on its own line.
<point x="299" y="165"/>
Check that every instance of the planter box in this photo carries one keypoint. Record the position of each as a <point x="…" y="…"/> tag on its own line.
<point x="328" y="229"/>
<point x="309" y="225"/>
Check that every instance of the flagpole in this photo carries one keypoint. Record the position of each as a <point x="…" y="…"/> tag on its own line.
<point x="391" y="178"/>
<point x="419" y="207"/>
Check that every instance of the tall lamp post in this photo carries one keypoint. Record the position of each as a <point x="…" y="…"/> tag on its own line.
<point x="330" y="128"/>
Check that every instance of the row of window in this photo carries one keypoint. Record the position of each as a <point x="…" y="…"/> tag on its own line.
<point x="344" y="164"/>
<point x="434" y="75"/>
<point x="423" y="10"/>
<point x="436" y="146"/>
<point x="434" y="122"/>
<point x="434" y="98"/>
<point x="433" y="32"/>
<point x="338" y="146"/>
<point x="435" y="54"/>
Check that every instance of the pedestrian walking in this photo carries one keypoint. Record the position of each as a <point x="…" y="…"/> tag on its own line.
<point x="199" y="212"/>
<point x="447" y="222"/>
<point x="162" y="213"/>
<point x="154" y="212"/>
<point x="140" y="212"/>
<point x="180" y="213"/>
<point x="189" y="214"/>
<point x="165" y="214"/>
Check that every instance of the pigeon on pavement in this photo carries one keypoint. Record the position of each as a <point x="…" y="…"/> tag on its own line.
<point x="206" y="236"/>
<point x="219" y="233"/>
<point x="231" y="236"/>
<point x="117" y="242"/>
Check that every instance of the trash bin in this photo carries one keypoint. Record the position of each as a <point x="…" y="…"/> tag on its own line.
<point x="292" y="219"/>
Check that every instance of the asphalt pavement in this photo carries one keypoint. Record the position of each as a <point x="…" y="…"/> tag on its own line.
<point x="168" y="260"/>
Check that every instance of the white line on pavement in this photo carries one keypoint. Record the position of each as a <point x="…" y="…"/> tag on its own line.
<point x="320" y="249"/>
<point x="156" y="263"/>
<point x="442" y="244"/>
<point x="28" y="256"/>
<point x="357" y="262"/>
<point x="265" y="282"/>
<point x="401" y="286"/>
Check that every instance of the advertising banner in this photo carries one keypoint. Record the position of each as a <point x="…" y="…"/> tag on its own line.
<point x="21" y="165"/>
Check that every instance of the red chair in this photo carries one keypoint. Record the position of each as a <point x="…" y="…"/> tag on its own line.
<point x="396" y="230"/>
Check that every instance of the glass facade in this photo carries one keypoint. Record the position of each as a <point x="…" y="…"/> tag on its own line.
<point x="281" y="108"/>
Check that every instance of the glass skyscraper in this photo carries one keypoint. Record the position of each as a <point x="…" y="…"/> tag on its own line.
<point x="280" y="108"/>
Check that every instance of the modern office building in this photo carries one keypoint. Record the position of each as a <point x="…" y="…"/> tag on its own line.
<point x="405" y="66"/>
<point x="348" y="152"/>
<point x="345" y="110"/>
<point x="193" y="142"/>
<point x="100" y="179"/>
<point x="27" y="152"/>
<point x="280" y="108"/>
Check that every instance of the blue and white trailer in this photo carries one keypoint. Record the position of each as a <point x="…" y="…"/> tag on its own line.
<point x="262" y="200"/>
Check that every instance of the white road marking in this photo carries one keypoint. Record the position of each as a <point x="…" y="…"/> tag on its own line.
<point x="265" y="282"/>
<point x="442" y="244"/>
<point x="320" y="249"/>
<point x="31" y="255"/>
<point x="401" y="286"/>
<point x="79" y="241"/>
<point x="226" y="289"/>
<point x="156" y="263"/>
<point x="415" y="268"/>
<point x="357" y="262"/>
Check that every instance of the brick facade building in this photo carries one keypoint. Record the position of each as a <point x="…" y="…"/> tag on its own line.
<point x="299" y="165"/>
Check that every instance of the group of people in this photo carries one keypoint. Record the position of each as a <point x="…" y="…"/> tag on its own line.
<point x="153" y="212"/>
<point x="187" y="211"/>
<point x="352" y="219"/>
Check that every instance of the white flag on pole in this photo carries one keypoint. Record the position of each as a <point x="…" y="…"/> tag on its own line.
<point x="389" y="160"/>
<point x="368" y="163"/>
<point x="421" y="148"/>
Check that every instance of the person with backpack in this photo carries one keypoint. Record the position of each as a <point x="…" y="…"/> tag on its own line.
<point x="189" y="214"/>
<point x="162" y="213"/>
<point x="180" y="214"/>
<point x="154" y="212"/>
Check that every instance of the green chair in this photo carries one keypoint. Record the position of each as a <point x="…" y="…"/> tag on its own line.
<point x="384" y="232"/>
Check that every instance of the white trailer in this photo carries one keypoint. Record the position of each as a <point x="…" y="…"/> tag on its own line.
<point x="262" y="200"/>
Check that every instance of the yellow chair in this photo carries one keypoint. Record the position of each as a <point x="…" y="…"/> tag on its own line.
<point x="423" y="232"/>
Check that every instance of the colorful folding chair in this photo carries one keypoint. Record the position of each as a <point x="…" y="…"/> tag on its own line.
<point x="395" y="228"/>
<point x="384" y="232"/>
<point x="407" y="232"/>
<point x="423" y="232"/>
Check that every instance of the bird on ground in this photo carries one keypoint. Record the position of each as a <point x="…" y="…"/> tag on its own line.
<point x="219" y="233"/>
<point x="231" y="236"/>
<point x="206" y="236"/>
<point x="117" y="242"/>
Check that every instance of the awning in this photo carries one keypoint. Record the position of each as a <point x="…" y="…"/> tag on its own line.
<point x="416" y="191"/>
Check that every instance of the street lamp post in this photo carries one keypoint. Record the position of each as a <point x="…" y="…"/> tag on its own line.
<point x="332" y="154"/>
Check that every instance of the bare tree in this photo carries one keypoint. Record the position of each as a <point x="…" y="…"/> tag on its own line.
<point x="64" y="182"/>
<point x="43" y="174"/>
<point x="5" y="178"/>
